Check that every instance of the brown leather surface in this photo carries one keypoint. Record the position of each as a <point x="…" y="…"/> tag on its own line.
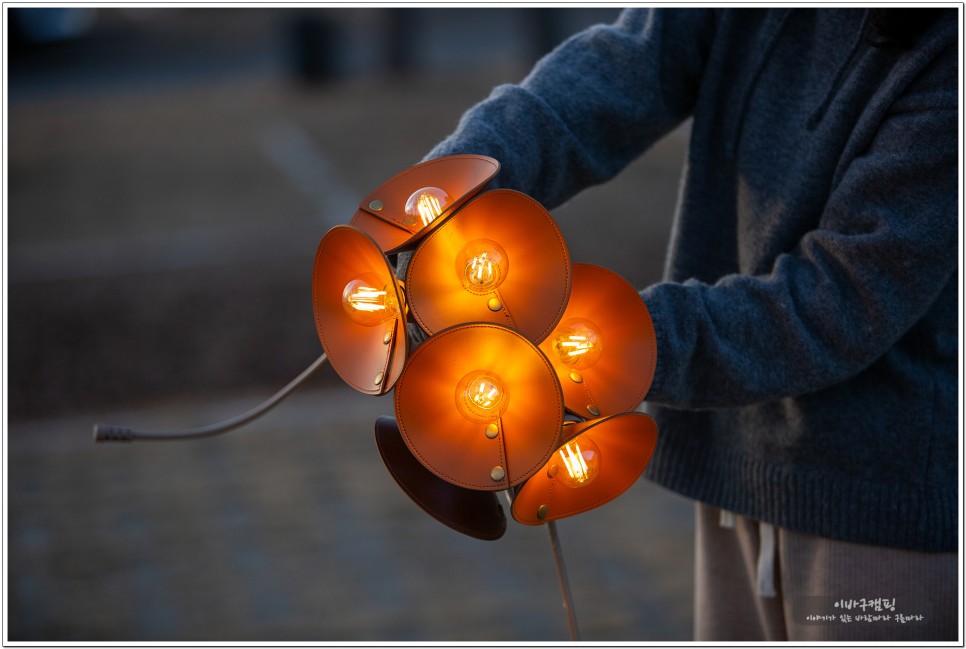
<point x="357" y="352"/>
<point x="626" y="443"/>
<point x="461" y="176"/>
<point x="474" y="513"/>
<point x="456" y="448"/>
<point x="620" y="378"/>
<point x="537" y="283"/>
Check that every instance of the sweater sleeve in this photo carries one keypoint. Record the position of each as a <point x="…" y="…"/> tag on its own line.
<point x="883" y="250"/>
<point x="592" y="105"/>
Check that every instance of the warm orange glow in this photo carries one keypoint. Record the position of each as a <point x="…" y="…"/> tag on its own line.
<point x="359" y="310"/>
<point x="368" y="301"/>
<point x="482" y="266"/>
<point x="396" y="217"/>
<point x="500" y="258"/>
<point x="484" y="394"/>
<point x="600" y="460"/>
<point x="481" y="271"/>
<point x="480" y="406"/>
<point x="425" y="206"/>
<point x="481" y="397"/>
<point x="580" y="459"/>
<point x="578" y="343"/>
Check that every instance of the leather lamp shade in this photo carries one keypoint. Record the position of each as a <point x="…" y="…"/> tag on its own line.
<point x="500" y="259"/>
<point x="480" y="406"/>
<point x="359" y="310"/>
<point x="474" y="513"/>
<point x="383" y="213"/>
<point x="604" y="349"/>
<point x="600" y="460"/>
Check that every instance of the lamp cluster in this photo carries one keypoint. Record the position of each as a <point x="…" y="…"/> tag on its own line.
<point x="533" y="365"/>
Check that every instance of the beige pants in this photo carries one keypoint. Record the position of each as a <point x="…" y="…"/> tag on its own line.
<point x="755" y="582"/>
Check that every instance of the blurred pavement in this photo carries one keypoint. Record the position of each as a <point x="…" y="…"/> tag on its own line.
<point x="292" y="530"/>
<point x="169" y="182"/>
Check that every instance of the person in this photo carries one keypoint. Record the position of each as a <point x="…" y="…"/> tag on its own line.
<point x="806" y="382"/>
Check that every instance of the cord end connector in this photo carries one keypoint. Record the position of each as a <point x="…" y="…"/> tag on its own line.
<point x="105" y="433"/>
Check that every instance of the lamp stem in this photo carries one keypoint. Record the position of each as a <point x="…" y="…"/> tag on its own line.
<point x="509" y="498"/>
<point x="568" y="600"/>
<point x="104" y="433"/>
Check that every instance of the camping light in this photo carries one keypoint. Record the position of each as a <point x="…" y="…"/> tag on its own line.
<point x="599" y="460"/>
<point x="604" y="349"/>
<point x="480" y="406"/>
<point x="517" y="336"/>
<point x="499" y="259"/>
<point x="360" y="310"/>
<point x="411" y="204"/>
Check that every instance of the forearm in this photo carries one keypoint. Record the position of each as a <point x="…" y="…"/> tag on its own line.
<point x="882" y="251"/>
<point x="592" y="106"/>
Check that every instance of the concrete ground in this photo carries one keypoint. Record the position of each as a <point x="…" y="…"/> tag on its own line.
<point x="293" y="531"/>
<point x="161" y="227"/>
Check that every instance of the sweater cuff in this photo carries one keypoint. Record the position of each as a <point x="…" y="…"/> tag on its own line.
<point x="658" y="392"/>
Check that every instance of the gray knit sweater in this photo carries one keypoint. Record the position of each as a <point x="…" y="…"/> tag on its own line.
<point x="807" y="328"/>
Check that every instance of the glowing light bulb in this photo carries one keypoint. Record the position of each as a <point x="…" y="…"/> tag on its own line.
<point x="576" y="463"/>
<point x="369" y="301"/>
<point x="425" y="206"/>
<point x="481" y="397"/>
<point x="482" y="266"/>
<point x="578" y="343"/>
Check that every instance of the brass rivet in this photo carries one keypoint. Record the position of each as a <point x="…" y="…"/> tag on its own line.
<point x="542" y="512"/>
<point x="497" y="473"/>
<point x="375" y="205"/>
<point x="379" y="377"/>
<point x="494" y="304"/>
<point x="592" y="409"/>
<point x="492" y="430"/>
<point x="387" y="337"/>
<point x="576" y="377"/>
<point x="552" y="471"/>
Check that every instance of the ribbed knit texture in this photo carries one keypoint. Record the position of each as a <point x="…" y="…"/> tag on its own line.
<point x="807" y="330"/>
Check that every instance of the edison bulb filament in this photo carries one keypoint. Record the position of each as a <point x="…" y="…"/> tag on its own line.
<point x="482" y="273"/>
<point x="577" y="343"/>
<point x="365" y="298"/>
<point x="425" y="206"/>
<point x="482" y="266"/>
<point x="369" y="301"/>
<point x="484" y="395"/>
<point x="428" y="208"/>
<point x="580" y="459"/>
<point x="481" y="397"/>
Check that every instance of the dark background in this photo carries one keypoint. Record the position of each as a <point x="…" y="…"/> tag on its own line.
<point x="170" y="173"/>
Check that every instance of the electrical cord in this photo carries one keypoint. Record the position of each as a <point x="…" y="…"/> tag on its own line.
<point x="107" y="433"/>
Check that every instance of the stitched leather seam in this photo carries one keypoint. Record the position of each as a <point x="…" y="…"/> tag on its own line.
<point x="503" y="462"/>
<point x="423" y="460"/>
<point x="388" y="218"/>
<point x="590" y="397"/>
<point x="633" y="478"/>
<point x="318" y="324"/>
<point x="652" y="342"/>
<point x="414" y="289"/>
<point x="506" y="312"/>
